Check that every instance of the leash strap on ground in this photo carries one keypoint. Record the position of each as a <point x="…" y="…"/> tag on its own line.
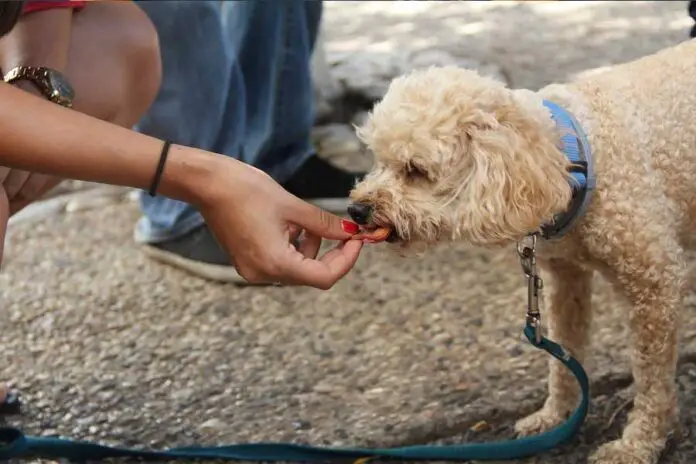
<point x="17" y="445"/>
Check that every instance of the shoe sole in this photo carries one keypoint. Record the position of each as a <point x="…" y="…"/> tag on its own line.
<point x="212" y="272"/>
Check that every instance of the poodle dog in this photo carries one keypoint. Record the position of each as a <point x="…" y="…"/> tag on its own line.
<point x="461" y="157"/>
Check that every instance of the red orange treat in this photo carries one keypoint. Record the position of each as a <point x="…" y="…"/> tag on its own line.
<point x="377" y="235"/>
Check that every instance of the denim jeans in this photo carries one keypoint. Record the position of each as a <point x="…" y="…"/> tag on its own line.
<point x="236" y="81"/>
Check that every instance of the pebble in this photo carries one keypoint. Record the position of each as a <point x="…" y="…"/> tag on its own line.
<point x="324" y="388"/>
<point x="334" y="140"/>
<point x="480" y="426"/>
<point x="38" y="211"/>
<point x="211" y="425"/>
<point x="133" y="195"/>
<point x="301" y="425"/>
<point x="85" y="202"/>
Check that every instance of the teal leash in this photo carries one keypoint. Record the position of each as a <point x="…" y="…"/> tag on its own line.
<point x="17" y="445"/>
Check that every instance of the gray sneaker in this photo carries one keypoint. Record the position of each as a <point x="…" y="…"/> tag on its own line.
<point x="196" y="252"/>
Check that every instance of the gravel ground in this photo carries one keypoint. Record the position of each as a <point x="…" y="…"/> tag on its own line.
<point x="108" y="345"/>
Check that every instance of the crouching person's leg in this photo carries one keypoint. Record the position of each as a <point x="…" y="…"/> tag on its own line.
<point x="112" y="62"/>
<point x="109" y="53"/>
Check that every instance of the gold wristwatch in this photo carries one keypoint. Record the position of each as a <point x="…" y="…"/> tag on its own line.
<point x="52" y="84"/>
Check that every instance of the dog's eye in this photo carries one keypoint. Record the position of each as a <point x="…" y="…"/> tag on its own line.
<point x="416" y="172"/>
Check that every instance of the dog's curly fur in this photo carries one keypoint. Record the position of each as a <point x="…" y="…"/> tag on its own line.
<point x="460" y="157"/>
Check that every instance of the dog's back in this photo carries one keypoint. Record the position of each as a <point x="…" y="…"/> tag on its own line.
<point x="654" y="101"/>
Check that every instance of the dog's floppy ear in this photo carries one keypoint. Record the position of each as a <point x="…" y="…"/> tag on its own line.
<point x="516" y="177"/>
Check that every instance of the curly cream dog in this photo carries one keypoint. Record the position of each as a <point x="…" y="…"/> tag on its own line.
<point x="460" y="157"/>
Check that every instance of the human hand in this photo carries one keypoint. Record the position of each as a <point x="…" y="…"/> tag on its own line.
<point x="256" y="221"/>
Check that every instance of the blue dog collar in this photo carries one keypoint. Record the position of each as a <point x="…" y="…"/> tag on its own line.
<point x="577" y="148"/>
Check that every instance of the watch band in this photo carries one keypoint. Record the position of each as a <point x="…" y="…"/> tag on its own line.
<point x="25" y="72"/>
<point x="39" y="76"/>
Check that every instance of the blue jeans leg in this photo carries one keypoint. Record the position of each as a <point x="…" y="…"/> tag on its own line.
<point x="237" y="81"/>
<point x="273" y="43"/>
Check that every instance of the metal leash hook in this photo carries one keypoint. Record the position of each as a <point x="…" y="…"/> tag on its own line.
<point x="535" y="285"/>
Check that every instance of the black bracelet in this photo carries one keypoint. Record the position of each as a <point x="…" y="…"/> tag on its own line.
<point x="160" y="168"/>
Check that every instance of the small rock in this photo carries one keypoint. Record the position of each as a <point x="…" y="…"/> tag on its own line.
<point x="133" y="195"/>
<point x="479" y="426"/>
<point x="86" y="202"/>
<point x="376" y="391"/>
<point x="211" y="425"/>
<point x="323" y="388"/>
<point x="443" y="339"/>
<point x="301" y="425"/>
<point x="39" y="210"/>
<point x="82" y="421"/>
<point x="49" y="433"/>
<point x="334" y="140"/>
<point x="184" y="394"/>
<point x="516" y="351"/>
<point x="367" y="73"/>
<point x="463" y="386"/>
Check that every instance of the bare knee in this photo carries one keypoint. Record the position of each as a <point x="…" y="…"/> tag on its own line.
<point x="115" y="62"/>
<point x="144" y="68"/>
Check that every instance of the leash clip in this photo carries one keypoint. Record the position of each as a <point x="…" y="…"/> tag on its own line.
<point x="535" y="285"/>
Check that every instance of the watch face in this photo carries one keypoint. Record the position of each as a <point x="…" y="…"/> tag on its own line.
<point x="61" y="86"/>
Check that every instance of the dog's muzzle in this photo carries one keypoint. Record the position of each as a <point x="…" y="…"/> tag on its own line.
<point x="360" y="213"/>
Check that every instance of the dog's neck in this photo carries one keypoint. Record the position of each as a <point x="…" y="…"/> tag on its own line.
<point x="574" y="146"/>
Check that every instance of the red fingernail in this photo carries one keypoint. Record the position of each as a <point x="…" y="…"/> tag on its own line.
<point x="349" y="227"/>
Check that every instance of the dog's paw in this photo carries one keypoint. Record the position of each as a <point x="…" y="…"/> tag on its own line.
<point x="541" y="421"/>
<point x="625" y="452"/>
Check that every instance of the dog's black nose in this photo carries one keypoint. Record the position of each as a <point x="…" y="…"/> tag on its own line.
<point x="360" y="213"/>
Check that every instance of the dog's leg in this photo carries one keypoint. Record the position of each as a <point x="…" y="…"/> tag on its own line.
<point x="569" y="317"/>
<point x="645" y="262"/>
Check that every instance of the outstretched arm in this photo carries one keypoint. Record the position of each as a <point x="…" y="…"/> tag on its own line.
<point x="252" y="217"/>
<point x="39" y="136"/>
